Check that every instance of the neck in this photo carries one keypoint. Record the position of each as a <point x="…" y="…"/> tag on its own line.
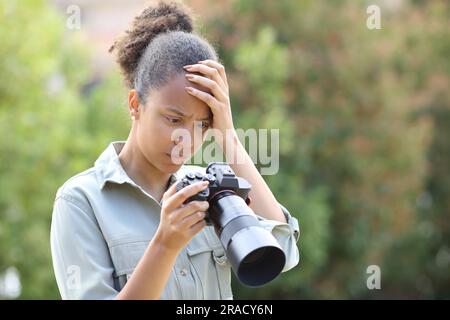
<point x="141" y="171"/>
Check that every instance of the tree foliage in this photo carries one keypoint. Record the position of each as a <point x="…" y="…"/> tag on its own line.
<point x="364" y="124"/>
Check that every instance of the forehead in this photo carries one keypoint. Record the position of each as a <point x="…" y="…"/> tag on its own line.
<point x="175" y="94"/>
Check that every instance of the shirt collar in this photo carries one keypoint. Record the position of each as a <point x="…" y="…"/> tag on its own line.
<point x="109" y="169"/>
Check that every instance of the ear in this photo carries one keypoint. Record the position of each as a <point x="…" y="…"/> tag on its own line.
<point x="133" y="104"/>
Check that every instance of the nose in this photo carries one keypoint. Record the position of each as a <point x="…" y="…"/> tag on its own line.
<point x="191" y="138"/>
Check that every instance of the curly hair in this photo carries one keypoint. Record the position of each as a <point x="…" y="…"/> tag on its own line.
<point x="157" y="46"/>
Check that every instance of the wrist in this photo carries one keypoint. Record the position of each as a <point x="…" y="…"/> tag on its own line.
<point x="161" y="245"/>
<point x="233" y="149"/>
<point x="228" y="140"/>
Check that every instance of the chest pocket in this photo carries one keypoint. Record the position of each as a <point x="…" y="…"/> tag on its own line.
<point x="125" y="255"/>
<point x="211" y="265"/>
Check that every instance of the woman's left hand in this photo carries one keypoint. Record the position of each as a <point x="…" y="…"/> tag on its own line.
<point x="214" y="78"/>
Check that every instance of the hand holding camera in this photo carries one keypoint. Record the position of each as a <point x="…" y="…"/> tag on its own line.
<point x="255" y="255"/>
<point x="181" y="222"/>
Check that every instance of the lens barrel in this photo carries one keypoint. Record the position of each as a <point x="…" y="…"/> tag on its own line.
<point x="255" y="255"/>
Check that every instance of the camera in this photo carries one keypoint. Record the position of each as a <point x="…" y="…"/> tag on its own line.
<point x="254" y="254"/>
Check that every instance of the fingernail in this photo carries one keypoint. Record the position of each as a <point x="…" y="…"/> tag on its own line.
<point x="189" y="76"/>
<point x="187" y="67"/>
<point x="189" y="89"/>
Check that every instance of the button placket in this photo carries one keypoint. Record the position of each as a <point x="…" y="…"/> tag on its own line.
<point x="185" y="276"/>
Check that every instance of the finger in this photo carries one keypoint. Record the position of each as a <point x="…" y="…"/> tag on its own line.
<point x="219" y="67"/>
<point x="192" y="219"/>
<point x="208" y="83"/>
<point x="177" y="199"/>
<point x="188" y="209"/>
<point x="212" y="73"/>
<point x="196" y="228"/>
<point x="205" y="97"/>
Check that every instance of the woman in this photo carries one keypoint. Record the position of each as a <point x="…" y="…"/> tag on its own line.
<point x="120" y="229"/>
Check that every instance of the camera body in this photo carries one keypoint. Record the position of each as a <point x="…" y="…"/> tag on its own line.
<point x="222" y="181"/>
<point x="254" y="254"/>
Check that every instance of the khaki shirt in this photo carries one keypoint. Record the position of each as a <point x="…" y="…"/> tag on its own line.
<point x="102" y="223"/>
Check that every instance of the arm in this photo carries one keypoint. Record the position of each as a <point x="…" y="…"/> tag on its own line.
<point x="214" y="79"/>
<point x="263" y="201"/>
<point x="83" y="267"/>
<point x="179" y="224"/>
<point x="149" y="278"/>
<point x="81" y="260"/>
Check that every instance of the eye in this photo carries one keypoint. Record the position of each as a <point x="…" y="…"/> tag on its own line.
<point x="204" y="125"/>
<point x="173" y="120"/>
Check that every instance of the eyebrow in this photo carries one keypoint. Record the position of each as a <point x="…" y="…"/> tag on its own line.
<point x="181" y="113"/>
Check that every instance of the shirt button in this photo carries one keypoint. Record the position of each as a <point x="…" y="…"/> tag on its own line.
<point x="183" y="272"/>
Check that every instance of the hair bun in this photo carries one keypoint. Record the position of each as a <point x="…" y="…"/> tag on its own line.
<point x="154" y="20"/>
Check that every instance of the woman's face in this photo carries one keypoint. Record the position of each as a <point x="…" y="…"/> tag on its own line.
<point x="166" y="110"/>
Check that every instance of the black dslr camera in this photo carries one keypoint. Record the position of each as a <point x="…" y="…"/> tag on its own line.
<point x="255" y="255"/>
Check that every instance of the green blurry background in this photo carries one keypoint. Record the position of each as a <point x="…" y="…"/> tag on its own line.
<point x="364" y="118"/>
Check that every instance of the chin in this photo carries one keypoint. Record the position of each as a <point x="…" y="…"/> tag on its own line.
<point x="169" y="167"/>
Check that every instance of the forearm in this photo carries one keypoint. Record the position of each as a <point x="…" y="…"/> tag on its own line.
<point x="263" y="201"/>
<point x="151" y="273"/>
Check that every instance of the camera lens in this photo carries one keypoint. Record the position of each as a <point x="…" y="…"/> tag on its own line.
<point x="254" y="254"/>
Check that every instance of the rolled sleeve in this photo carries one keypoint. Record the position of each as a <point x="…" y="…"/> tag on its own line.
<point x="287" y="235"/>
<point x="81" y="260"/>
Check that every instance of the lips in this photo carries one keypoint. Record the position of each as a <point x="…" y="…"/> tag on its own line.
<point x="176" y="156"/>
<point x="180" y="153"/>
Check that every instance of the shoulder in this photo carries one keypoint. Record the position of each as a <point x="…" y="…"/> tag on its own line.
<point x="77" y="188"/>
